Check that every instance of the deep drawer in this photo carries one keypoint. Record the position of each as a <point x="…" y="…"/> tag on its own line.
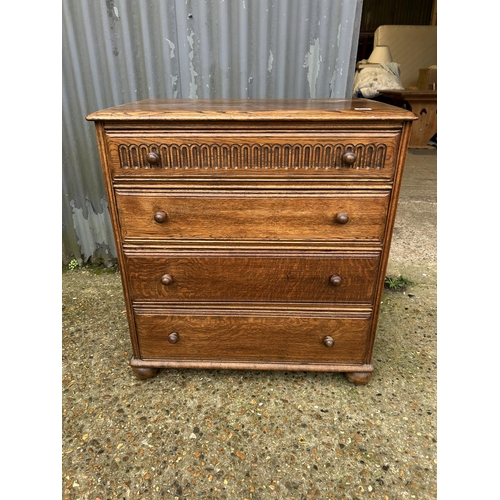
<point x="252" y="215"/>
<point x="251" y="336"/>
<point x="246" y="154"/>
<point x="325" y="277"/>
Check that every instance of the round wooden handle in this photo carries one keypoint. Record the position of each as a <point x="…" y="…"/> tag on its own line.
<point x="153" y="158"/>
<point x="341" y="218"/>
<point x="167" y="279"/>
<point x="160" y="217"/>
<point x="328" y="341"/>
<point x="173" y="338"/>
<point x="335" y="280"/>
<point x="349" y="158"/>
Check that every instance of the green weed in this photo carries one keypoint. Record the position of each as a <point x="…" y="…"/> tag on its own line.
<point x="398" y="284"/>
<point x="73" y="265"/>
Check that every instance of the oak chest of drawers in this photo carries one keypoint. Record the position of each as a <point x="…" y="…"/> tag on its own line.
<point x="253" y="234"/>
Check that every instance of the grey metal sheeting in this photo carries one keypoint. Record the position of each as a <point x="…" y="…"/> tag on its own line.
<point x="119" y="51"/>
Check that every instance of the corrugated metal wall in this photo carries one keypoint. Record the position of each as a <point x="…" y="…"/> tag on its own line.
<point x="118" y="51"/>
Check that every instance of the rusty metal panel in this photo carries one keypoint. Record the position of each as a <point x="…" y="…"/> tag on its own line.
<point x="118" y="51"/>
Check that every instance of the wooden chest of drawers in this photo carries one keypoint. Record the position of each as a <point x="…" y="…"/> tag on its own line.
<point x="253" y="234"/>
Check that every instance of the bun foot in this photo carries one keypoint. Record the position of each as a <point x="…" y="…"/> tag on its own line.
<point x="359" y="378"/>
<point x="143" y="372"/>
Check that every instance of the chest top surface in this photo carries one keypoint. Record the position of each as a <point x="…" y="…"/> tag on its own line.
<point x="253" y="110"/>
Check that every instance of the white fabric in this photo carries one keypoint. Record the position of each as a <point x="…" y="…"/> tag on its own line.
<point x="369" y="80"/>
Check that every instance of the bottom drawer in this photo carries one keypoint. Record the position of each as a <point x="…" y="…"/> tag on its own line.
<point x="253" y="335"/>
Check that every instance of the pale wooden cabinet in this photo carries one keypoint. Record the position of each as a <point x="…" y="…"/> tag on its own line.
<point x="253" y="234"/>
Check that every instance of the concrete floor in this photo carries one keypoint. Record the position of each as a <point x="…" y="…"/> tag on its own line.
<point x="258" y="435"/>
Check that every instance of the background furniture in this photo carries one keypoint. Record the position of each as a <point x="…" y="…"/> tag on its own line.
<point x="412" y="47"/>
<point x="253" y="234"/>
<point x="424" y="104"/>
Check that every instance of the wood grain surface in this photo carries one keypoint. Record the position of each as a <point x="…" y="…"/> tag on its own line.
<point x="243" y="215"/>
<point x="252" y="154"/>
<point x="252" y="109"/>
<point x="246" y="276"/>
<point x="206" y="335"/>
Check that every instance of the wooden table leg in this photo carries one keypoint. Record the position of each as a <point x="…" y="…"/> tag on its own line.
<point x="424" y="105"/>
<point x="425" y="127"/>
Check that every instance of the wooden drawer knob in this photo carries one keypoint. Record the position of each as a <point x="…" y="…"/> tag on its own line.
<point x="341" y="218"/>
<point x="328" y="341"/>
<point x="167" y="279"/>
<point x="160" y="217"/>
<point x="335" y="280"/>
<point x="173" y="338"/>
<point x="153" y="158"/>
<point x="349" y="158"/>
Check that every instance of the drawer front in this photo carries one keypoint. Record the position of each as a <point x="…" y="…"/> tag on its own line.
<point x="348" y="154"/>
<point x="252" y="216"/>
<point x="254" y="277"/>
<point x="222" y="335"/>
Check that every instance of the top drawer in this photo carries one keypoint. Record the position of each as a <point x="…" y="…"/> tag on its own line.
<point x="249" y="155"/>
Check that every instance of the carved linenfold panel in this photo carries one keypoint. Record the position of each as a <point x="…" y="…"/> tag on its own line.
<point x="259" y="157"/>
